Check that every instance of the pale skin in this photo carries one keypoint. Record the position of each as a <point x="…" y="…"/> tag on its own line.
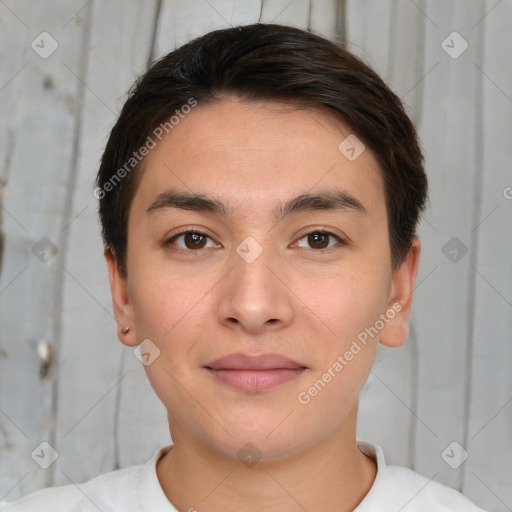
<point x="304" y="298"/>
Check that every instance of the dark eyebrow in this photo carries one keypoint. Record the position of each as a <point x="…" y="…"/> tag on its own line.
<point x="330" y="200"/>
<point x="186" y="201"/>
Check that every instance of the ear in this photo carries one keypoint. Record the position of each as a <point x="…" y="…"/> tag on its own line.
<point x="123" y="309"/>
<point x="399" y="307"/>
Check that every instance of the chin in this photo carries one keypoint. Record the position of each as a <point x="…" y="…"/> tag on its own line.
<point x="256" y="438"/>
<point x="252" y="448"/>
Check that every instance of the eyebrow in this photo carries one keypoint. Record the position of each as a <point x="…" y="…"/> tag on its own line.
<point x="330" y="200"/>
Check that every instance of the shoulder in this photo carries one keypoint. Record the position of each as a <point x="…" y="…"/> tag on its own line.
<point x="417" y="493"/>
<point x="112" y="491"/>
<point x="398" y="488"/>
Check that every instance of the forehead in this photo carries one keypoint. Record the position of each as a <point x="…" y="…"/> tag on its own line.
<point x="257" y="153"/>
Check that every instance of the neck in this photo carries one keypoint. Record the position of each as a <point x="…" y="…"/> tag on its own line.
<point x="331" y="475"/>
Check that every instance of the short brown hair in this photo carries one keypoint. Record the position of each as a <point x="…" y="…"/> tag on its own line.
<point x="273" y="63"/>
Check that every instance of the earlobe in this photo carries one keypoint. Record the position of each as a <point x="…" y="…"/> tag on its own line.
<point x="123" y="309"/>
<point x="399" y="307"/>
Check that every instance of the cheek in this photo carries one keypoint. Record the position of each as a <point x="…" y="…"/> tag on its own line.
<point x="174" y="313"/>
<point x="351" y="304"/>
<point x="350" y="307"/>
<point x="346" y="303"/>
<point x="171" y="311"/>
<point x="165" y="303"/>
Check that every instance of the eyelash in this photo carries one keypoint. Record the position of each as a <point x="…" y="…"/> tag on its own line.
<point x="195" y="231"/>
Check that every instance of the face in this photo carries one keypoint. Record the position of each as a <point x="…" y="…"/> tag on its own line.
<point x="266" y="297"/>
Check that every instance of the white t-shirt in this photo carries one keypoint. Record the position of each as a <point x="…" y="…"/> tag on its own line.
<point x="137" y="489"/>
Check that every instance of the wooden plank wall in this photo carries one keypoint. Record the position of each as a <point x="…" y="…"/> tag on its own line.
<point x="450" y="383"/>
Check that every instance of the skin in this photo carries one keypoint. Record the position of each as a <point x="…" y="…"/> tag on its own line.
<point x="296" y="299"/>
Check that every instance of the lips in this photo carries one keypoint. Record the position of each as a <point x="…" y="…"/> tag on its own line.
<point x="254" y="373"/>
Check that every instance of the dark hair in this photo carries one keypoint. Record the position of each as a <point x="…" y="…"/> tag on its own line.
<point x="271" y="63"/>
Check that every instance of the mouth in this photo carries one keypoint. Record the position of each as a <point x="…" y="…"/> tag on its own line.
<point x="254" y="373"/>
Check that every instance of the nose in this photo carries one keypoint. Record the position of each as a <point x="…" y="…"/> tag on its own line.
<point x="254" y="295"/>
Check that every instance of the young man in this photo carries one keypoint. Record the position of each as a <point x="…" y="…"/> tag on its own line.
<point x="259" y="197"/>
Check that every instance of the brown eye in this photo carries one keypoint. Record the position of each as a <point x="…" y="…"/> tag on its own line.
<point x="194" y="240"/>
<point x="190" y="240"/>
<point x="319" y="240"/>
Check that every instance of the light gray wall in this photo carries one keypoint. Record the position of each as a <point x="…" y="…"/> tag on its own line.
<point x="450" y="383"/>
